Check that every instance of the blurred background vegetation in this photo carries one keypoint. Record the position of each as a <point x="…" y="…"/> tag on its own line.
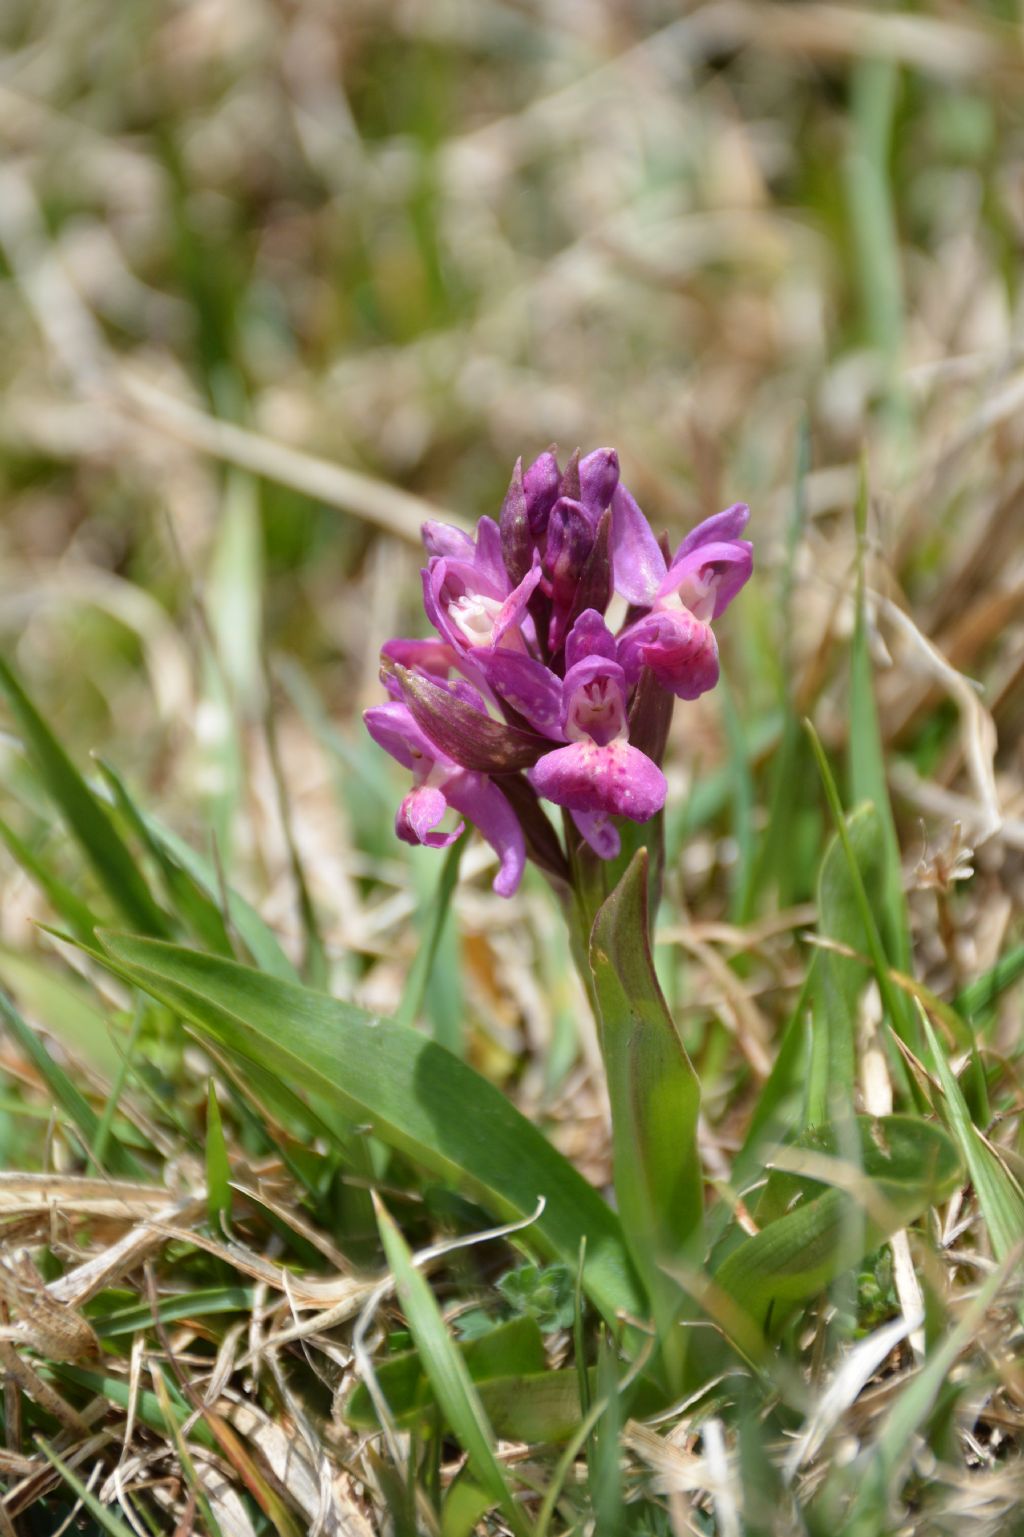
<point x="279" y="279"/>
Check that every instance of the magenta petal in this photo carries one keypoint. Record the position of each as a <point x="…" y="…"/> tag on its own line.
<point x="589" y="636"/>
<point x="527" y="686"/>
<point x="479" y="800"/>
<point x="445" y="540"/>
<point x="489" y="561"/>
<point x="680" y="650"/>
<point x="513" y="610"/>
<point x="540" y="484"/>
<point x="600" y="833"/>
<point x="599" y="475"/>
<point x="728" y="562"/>
<point x="420" y="813"/>
<point x="716" y="530"/>
<point x="392" y="727"/>
<point x="616" y="779"/>
<point x="637" y="561"/>
<point x="433" y="656"/>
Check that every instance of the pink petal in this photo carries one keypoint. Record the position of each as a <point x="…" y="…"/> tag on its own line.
<point x="680" y="650"/>
<point x="420" y="813"/>
<point x="616" y="779"/>
<point x="599" y="832"/>
<point x="482" y="803"/>
<point x="637" y="561"/>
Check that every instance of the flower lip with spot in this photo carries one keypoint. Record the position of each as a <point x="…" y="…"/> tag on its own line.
<point x="598" y="774"/>
<point x="440" y="784"/>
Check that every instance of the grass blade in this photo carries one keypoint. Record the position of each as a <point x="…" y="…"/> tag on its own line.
<point x="447" y="1373"/>
<point x="116" y="867"/>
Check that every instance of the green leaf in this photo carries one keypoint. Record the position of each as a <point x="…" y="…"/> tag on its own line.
<point x="839" y="980"/>
<point x="78" y="1110"/>
<point x="447" y="1374"/>
<point x="115" y="865"/>
<point x="100" y="1512"/>
<point x="507" y="1351"/>
<point x="218" y="1164"/>
<point x="546" y="1294"/>
<point x="65" y="903"/>
<point x="999" y="1195"/>
<point x="197" y="910"/>
<point x="866" y="762"/>
<point x="417" y="1097"/>
<point x="654" y="1092"/>
<point x="197" y="1304"/>
<point x="901" y="1165"/>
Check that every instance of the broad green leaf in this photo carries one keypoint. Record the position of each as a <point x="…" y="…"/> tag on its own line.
<point x="64" y="1007"/>
<point x="506" y="1352"/>
<point x="417" y="1097"/>
<point x="464" y="1505"/>
<point x="655" y="1101"/>
<point x="903" y="1165"/>
<point x="654" y="1092"/>
<point x="999" y="1195"/>
<point x="446" y="1371"/>
<point x="115" y="865"/>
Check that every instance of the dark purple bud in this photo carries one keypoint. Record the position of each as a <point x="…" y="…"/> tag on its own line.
<point x="516" y="541"/>
<point x="570" y="483"/>
<point x="540" y="486"/>
<point x="594" y="588"/>
<point x="462" y="731"/>
<point x="570" y="539"/>
<point x="599" y="475"/>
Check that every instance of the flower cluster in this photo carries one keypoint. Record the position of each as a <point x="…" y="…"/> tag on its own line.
<point x="525" y="692"/>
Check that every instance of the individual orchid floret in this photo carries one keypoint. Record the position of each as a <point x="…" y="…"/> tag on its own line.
<point x="598" y="774"/>
<point x="674" y="638"/>
<point x="599" y="476"/>
<point x="439" y="785"/>
<point x="467" y="592"/>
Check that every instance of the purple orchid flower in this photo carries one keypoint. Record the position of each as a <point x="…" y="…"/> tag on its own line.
<point x="674" y="638"/>
<point x="598" y="774"/>
<point x="467" y="592"/>
<point x="441" y="784"/>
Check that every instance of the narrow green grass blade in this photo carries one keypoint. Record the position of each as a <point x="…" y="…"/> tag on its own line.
<point x="68" y="907"/>
<point x="100" y="1512"/>
<point x="218" y="1165"/>
<point x="257" y="937"/>
<point x="418" y="1098"/>
<point x="982" y="993"/>
<point x="116" y="867"/>
<point x="897" y="1006"/>
<point x="999" y="1195"/>
<point x="877" y="1474"/>
<point x="447" y="1373"/>
<point x="838" y="979"/>
<point x="78" y="1110"/>
<point x="866" y="761"/>
<point x="437" y="912"/>
<point x="197" y="1304"/>
<point x="198" y="912"/>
